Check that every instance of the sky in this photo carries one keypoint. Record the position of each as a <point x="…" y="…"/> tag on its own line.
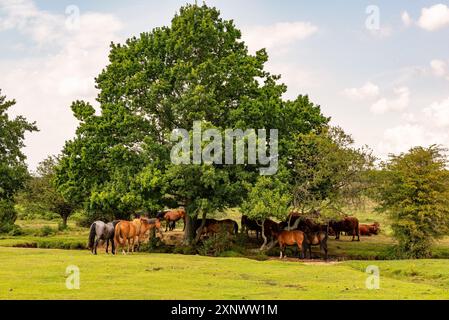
<point x="379" y="69"/>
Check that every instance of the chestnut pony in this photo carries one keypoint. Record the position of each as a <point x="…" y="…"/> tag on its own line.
<point x="290" y="238"/>
<point x="130" y="231"/>
<point x="172" y="216"/>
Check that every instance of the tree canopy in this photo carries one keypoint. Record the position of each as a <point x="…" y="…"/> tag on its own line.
<point x="13" y="170"/>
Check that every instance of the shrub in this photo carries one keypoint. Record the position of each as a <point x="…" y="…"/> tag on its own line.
<point x="216" y="244"/>
<point x="46" y="231"/>
<point x="62" y="226"/>
<point x="414" y="190"/>
<point x="15" y="231"/>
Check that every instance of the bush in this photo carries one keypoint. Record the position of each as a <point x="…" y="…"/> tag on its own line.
<point x="62" y="227"/>
<point x="216" y="245"/>
<point x="16" y="231"/>
<point x="46" y="231"/>
<point x="8" y="216"/>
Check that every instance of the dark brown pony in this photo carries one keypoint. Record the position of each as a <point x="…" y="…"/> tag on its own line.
<point x="213" y="226"/>
<point x="171" y="216"/>
<point x="251" y="225"/>
<point x="271" y="229"/>
<point x="290" y="238"/>
<point x="348" y="224"/>
<point x="318" y="238"/>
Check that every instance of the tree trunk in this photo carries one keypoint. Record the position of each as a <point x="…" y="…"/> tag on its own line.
<point x="189" y="232"/>
<point x="200" y="229"/>
<point x="64" y="221"/>
<point x="265" y="240"/>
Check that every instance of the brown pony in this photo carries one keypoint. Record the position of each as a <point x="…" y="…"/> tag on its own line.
<point x="251" y="225"/>
<point x="369" y="229"/>
<point x="270" y="229"/>
<point x="125" y="231"/>
<point x="171" y="216"/>
<point x="289" y="238"/>
<point x="350" y="225"/>
<point x="318" y="238"/>
<point x="143" y="227"/>
<point x="131" y="232"/>
<point x="213" y="226"/>
<point x="155" y="223"/>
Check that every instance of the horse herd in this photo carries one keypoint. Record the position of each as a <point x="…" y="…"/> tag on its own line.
<point x="304" y="233"/>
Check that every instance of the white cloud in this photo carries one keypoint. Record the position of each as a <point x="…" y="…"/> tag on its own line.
<point x="45" y="84"/>
<point x="440" y="68"/>
<point x="406" y="19"/>
<point x="42" y="27"/>
<point x="399" y="103"/>
<point x="280" y="34"/>
<point x="368" y="90"/>
<point x="438" y="113"/>
<point x="403" y="137"/>
<point x="434" y="17"/>
<point x="427" y="127"/>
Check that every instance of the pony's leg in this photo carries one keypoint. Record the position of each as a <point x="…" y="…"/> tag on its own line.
<point x="301" y="253"/>
<point x="113" y="246"/>
<point x="96" y="245"/>
<point x="280" y="252"/>
<point x="107" y="245"/>
<point x="166" y="225"/>
<point x="324" y="249"/>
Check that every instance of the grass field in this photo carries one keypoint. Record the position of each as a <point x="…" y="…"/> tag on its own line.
<point x="40" y="274"/>
<point x="31" y="268"/>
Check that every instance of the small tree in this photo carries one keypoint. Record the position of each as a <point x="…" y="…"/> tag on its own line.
<point x="327" y="171"/>
<point x="414" y="190"/>
<point x="267" y="198"/>
<point x="41" y="194"/>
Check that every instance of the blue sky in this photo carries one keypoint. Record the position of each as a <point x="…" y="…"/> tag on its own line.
<point x="388" y="86"/>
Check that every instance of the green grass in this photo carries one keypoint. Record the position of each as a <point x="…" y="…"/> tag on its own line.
<point x="40" y="274"/>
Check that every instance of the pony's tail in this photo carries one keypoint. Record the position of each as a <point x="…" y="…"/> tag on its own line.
<point x="236" y="228"/>
<point x="117" y="239"/>
<point x="92" y="236"/>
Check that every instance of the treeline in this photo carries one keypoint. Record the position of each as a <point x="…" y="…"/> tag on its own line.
<point x="199" y="69"/>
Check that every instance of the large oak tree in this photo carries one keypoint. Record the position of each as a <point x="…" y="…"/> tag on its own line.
<point x="196" y="69"/>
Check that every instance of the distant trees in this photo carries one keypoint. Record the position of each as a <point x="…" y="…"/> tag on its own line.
<point x="413" y="188"/>
<point x="13" y="171"/>
<point x="40" y="194"/>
